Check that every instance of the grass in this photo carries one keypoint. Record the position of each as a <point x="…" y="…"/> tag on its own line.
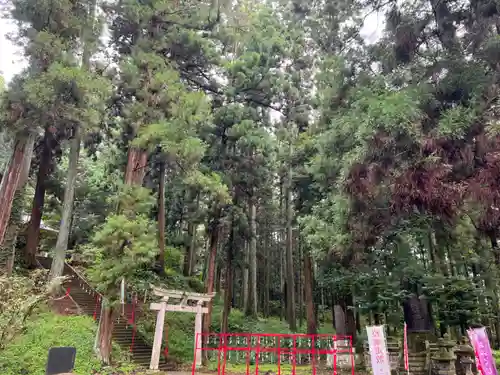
<point x="496" y="357"/>
<point x="28" y="353"/>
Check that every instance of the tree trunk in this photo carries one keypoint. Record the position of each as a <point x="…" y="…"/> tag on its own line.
<point x="161" y="218"/>
<point x="209" y="285"/>
<point x="228" y="290"/>
<point x="267" y="288"/>
<point x="229" y="275"/>
<point x="290" y="276"/>
<point x="218" y="284"/>
<point x="136" y="166"/>
<point x="192" y="249"/>
<point x="345" y="320"/>
<point x="252" y="279"/>
<point x="300" y="287"/>
<point x="308" y="291"/>
<point x="17" y="171"/>
<point x="106" y="334"/>
<point x="38" y="200"/>
<point x="8" y="247"/>
<point x="281" y="240"/>
<point x="69" y="196"/>
<point x="187" y="267"/>
<point x="245" y="273"/>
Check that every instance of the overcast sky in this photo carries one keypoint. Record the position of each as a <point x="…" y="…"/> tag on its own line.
<point x="11" y="61"/>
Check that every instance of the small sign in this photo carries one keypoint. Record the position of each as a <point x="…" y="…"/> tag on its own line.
<point x="378" y="350"/>
<point x="61" y="360"/>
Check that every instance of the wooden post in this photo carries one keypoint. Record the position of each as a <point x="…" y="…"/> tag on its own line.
<point x="160" y="321"/>
<point x="197" y="333"/>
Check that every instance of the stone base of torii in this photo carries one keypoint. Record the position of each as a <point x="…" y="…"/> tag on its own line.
<point x="175" y="300"/>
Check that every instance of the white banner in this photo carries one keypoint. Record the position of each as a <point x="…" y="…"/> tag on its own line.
<point x="378" y="350"/>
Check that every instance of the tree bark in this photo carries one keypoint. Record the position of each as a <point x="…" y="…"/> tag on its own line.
<point x="229" y="274"/>
<point x="10" y="240"/>
<point x="281" y="240"/>
<point x="245" y="273"/>
<point x="345" y="320"/>
<point x="38" y="200"/>
<point x="209" y="286"/>
<point x="308" y="292"/>
<point x="252" y="279"/>
<point x="192" y="249"/>
<point x="190" y="253"/>
<point x="188" y="256"/>
<point x="267" y="288"/>
<point x="69" y="196"/>
<point x="17" y="171"/>
<point x="300" y="286"/>
<point x="289" y="253"/>
<point x="136" y="166"/>
<point x="161" y="218"/>
<point x="106" y="334"/>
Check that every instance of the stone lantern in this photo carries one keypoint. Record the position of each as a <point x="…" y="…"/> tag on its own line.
<point x="443" y="362"/>
<point x="465" y="358"/>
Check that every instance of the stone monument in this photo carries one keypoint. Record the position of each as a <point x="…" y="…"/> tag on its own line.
<point x="443" y="362"/>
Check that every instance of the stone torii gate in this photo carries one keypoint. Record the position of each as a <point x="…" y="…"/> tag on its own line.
<point x="175" y="300"/>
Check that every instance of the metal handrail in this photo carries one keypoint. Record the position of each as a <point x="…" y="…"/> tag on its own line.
<point x="82" y="279"/>
<point x="138" y="334"/>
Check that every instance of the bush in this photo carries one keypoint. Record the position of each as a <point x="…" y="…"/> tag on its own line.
<point x="18" y="297"/>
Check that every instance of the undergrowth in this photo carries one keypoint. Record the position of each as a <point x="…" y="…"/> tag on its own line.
<point x="27" y="354"/>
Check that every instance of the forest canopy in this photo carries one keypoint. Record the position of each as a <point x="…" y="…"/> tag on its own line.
<point x="264" y="150"/>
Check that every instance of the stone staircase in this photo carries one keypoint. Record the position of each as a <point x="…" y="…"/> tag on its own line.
<point x="83" y="299"/>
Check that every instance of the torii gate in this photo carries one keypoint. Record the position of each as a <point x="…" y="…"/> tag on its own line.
<point x="184" y="298"/>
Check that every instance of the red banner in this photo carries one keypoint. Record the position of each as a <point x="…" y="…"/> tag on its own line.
<point x="407" y="365"/>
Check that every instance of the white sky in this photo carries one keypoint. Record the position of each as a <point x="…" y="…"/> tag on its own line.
<point x="12" y="62"/>
<point x="11" y="59"/>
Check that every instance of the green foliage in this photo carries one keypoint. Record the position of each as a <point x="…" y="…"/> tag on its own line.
<point x="125" y="242"/>
<point x="389" y="147"/>
<point x="68" y="94"/>
<point x="173" y="258"/>
<point x="178" y="116"/>
<point x="19" y="296"/>
<point x="455" y="122"/>
<point x="28" y="353"/>
<point x="210" y="184"/>
<point x="325" y="229"/>
<point x="457" y="297"/>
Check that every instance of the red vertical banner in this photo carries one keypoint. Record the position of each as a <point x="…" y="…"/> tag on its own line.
<point x="407" y="364"/>
<point x="405" y="344"/>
